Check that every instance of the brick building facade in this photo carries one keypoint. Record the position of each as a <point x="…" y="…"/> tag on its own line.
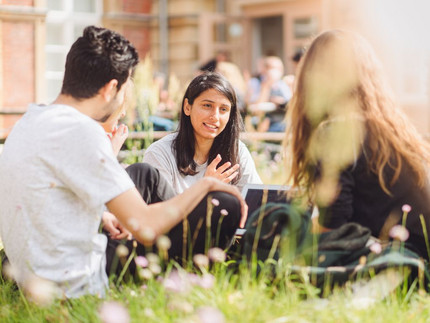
<point x="180" y="35"/>
<point x="35" y="36"/>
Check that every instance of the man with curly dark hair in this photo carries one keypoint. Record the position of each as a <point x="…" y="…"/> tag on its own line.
<point x="59" y="172"/>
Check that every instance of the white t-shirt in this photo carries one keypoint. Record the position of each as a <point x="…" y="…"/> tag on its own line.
<point x="160" y="155"/>
<point x="57" y="172"/>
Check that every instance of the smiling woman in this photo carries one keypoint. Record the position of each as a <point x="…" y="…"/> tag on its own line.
<point x="207" y="141"/>
<point x="209" y="115"/>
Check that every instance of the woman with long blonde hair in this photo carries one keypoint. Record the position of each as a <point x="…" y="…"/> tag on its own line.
<point x="351" y="148"/>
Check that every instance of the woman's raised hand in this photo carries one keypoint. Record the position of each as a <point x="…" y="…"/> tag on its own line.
<point x="225" y="173"/>
<point x="118" y="137"/>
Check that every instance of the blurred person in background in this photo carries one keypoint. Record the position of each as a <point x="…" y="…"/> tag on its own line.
<point x="289" y="79"/>
<point x="211" y="65"/>
<point x="163" y="118"/>
<point x="268" y="96"/>
<point x="233" y="74"/>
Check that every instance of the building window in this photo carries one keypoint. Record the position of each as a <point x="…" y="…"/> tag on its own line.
<point x="65" y="22"/>
<point x="305" y="27"/>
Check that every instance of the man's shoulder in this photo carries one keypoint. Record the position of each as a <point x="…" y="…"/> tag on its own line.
<point x="67" y="120"/>
<point x="57" y="116"/>
<point x="47" y="128"/>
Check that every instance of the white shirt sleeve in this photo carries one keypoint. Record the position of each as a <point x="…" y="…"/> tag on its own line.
<point x="247" y="166"/>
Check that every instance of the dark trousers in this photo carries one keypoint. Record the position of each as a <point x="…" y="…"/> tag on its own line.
<point x="154" y="188"/>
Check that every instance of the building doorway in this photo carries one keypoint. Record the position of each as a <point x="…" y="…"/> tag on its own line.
<point x="267" y="38"/>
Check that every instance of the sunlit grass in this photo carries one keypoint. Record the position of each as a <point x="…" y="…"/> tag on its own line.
<point x="234" y="297"/>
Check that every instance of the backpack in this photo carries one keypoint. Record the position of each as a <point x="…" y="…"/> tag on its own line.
<point x="270" y="224"/>
<point x="282" y="231"/>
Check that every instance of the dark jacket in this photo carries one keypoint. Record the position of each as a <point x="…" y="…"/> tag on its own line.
<point x="362" y="200"/>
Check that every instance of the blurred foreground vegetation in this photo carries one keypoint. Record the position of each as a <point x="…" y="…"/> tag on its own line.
<point x="218" y="295"/>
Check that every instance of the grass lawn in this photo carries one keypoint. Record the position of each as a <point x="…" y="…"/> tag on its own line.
<point x="221" y="295"/>
<point x="217" y="295"/>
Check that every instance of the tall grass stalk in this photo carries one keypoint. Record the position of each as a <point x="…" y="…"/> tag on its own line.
<point x="126" y="265"/>
<point x="426" y="237"/>
<point x="258" y="232"/>
<point x="209" y="211"/>
<point x="218" y="229"/>
<point x="184" y="240"/>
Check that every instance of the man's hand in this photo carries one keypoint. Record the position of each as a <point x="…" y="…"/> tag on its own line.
<point x="115" y="229"/>
<point x="117" y="138"/>
<point x="224" y="173"/>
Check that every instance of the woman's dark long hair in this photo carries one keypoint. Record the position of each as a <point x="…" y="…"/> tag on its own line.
<point x="226" y="143"/>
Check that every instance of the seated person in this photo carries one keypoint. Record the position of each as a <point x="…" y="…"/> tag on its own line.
<point x="351" y="147"/>
<point x="207" y="141"/>
<point x="233" y="74"/>
<point x="269" y="90"/>
<point x="166" y="113"/>
<point x="289" y="79"/>
<point x="59" y="173"/>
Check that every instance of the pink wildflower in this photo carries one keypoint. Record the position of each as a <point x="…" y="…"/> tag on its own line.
<point x="180" y="305"/>
<point x="216" y="254"/>
<point x="399" y="232"/>
<point x="155" y="268"/>
<point x="40" y="291"/>
<point x="207" y="281"/>
<point x="164" y="243"/>
<point x="176" y="282"/>
<point x="208" y="314"/>
<point x="145" y="273"/>
<point x="224" y="212"/>
<point x="113" y="312"/>
<point x="201" y="260"/>
<point x="122" y="251"/>
<point x="215" y="202"/>
<point x="141" y="261"/>
<point x="194" y="279"/>
<point x="376" y="248"/>
<point x="406" y="208"/>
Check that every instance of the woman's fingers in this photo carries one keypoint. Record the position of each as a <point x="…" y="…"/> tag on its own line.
<point x="230" y="171"/>
<point x="215" y="163"/>
<point x="118" y="137"/>
<point x="230" y="178"/>
<point x="223" y="167"/>
<point x="224" y="173"/>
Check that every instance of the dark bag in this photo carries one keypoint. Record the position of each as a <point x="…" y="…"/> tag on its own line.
<point x="273" y="221"/>
<point x="282" y="230"/>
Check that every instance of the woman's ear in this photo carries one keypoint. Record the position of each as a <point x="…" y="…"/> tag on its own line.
<point x="187" y="107"/>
